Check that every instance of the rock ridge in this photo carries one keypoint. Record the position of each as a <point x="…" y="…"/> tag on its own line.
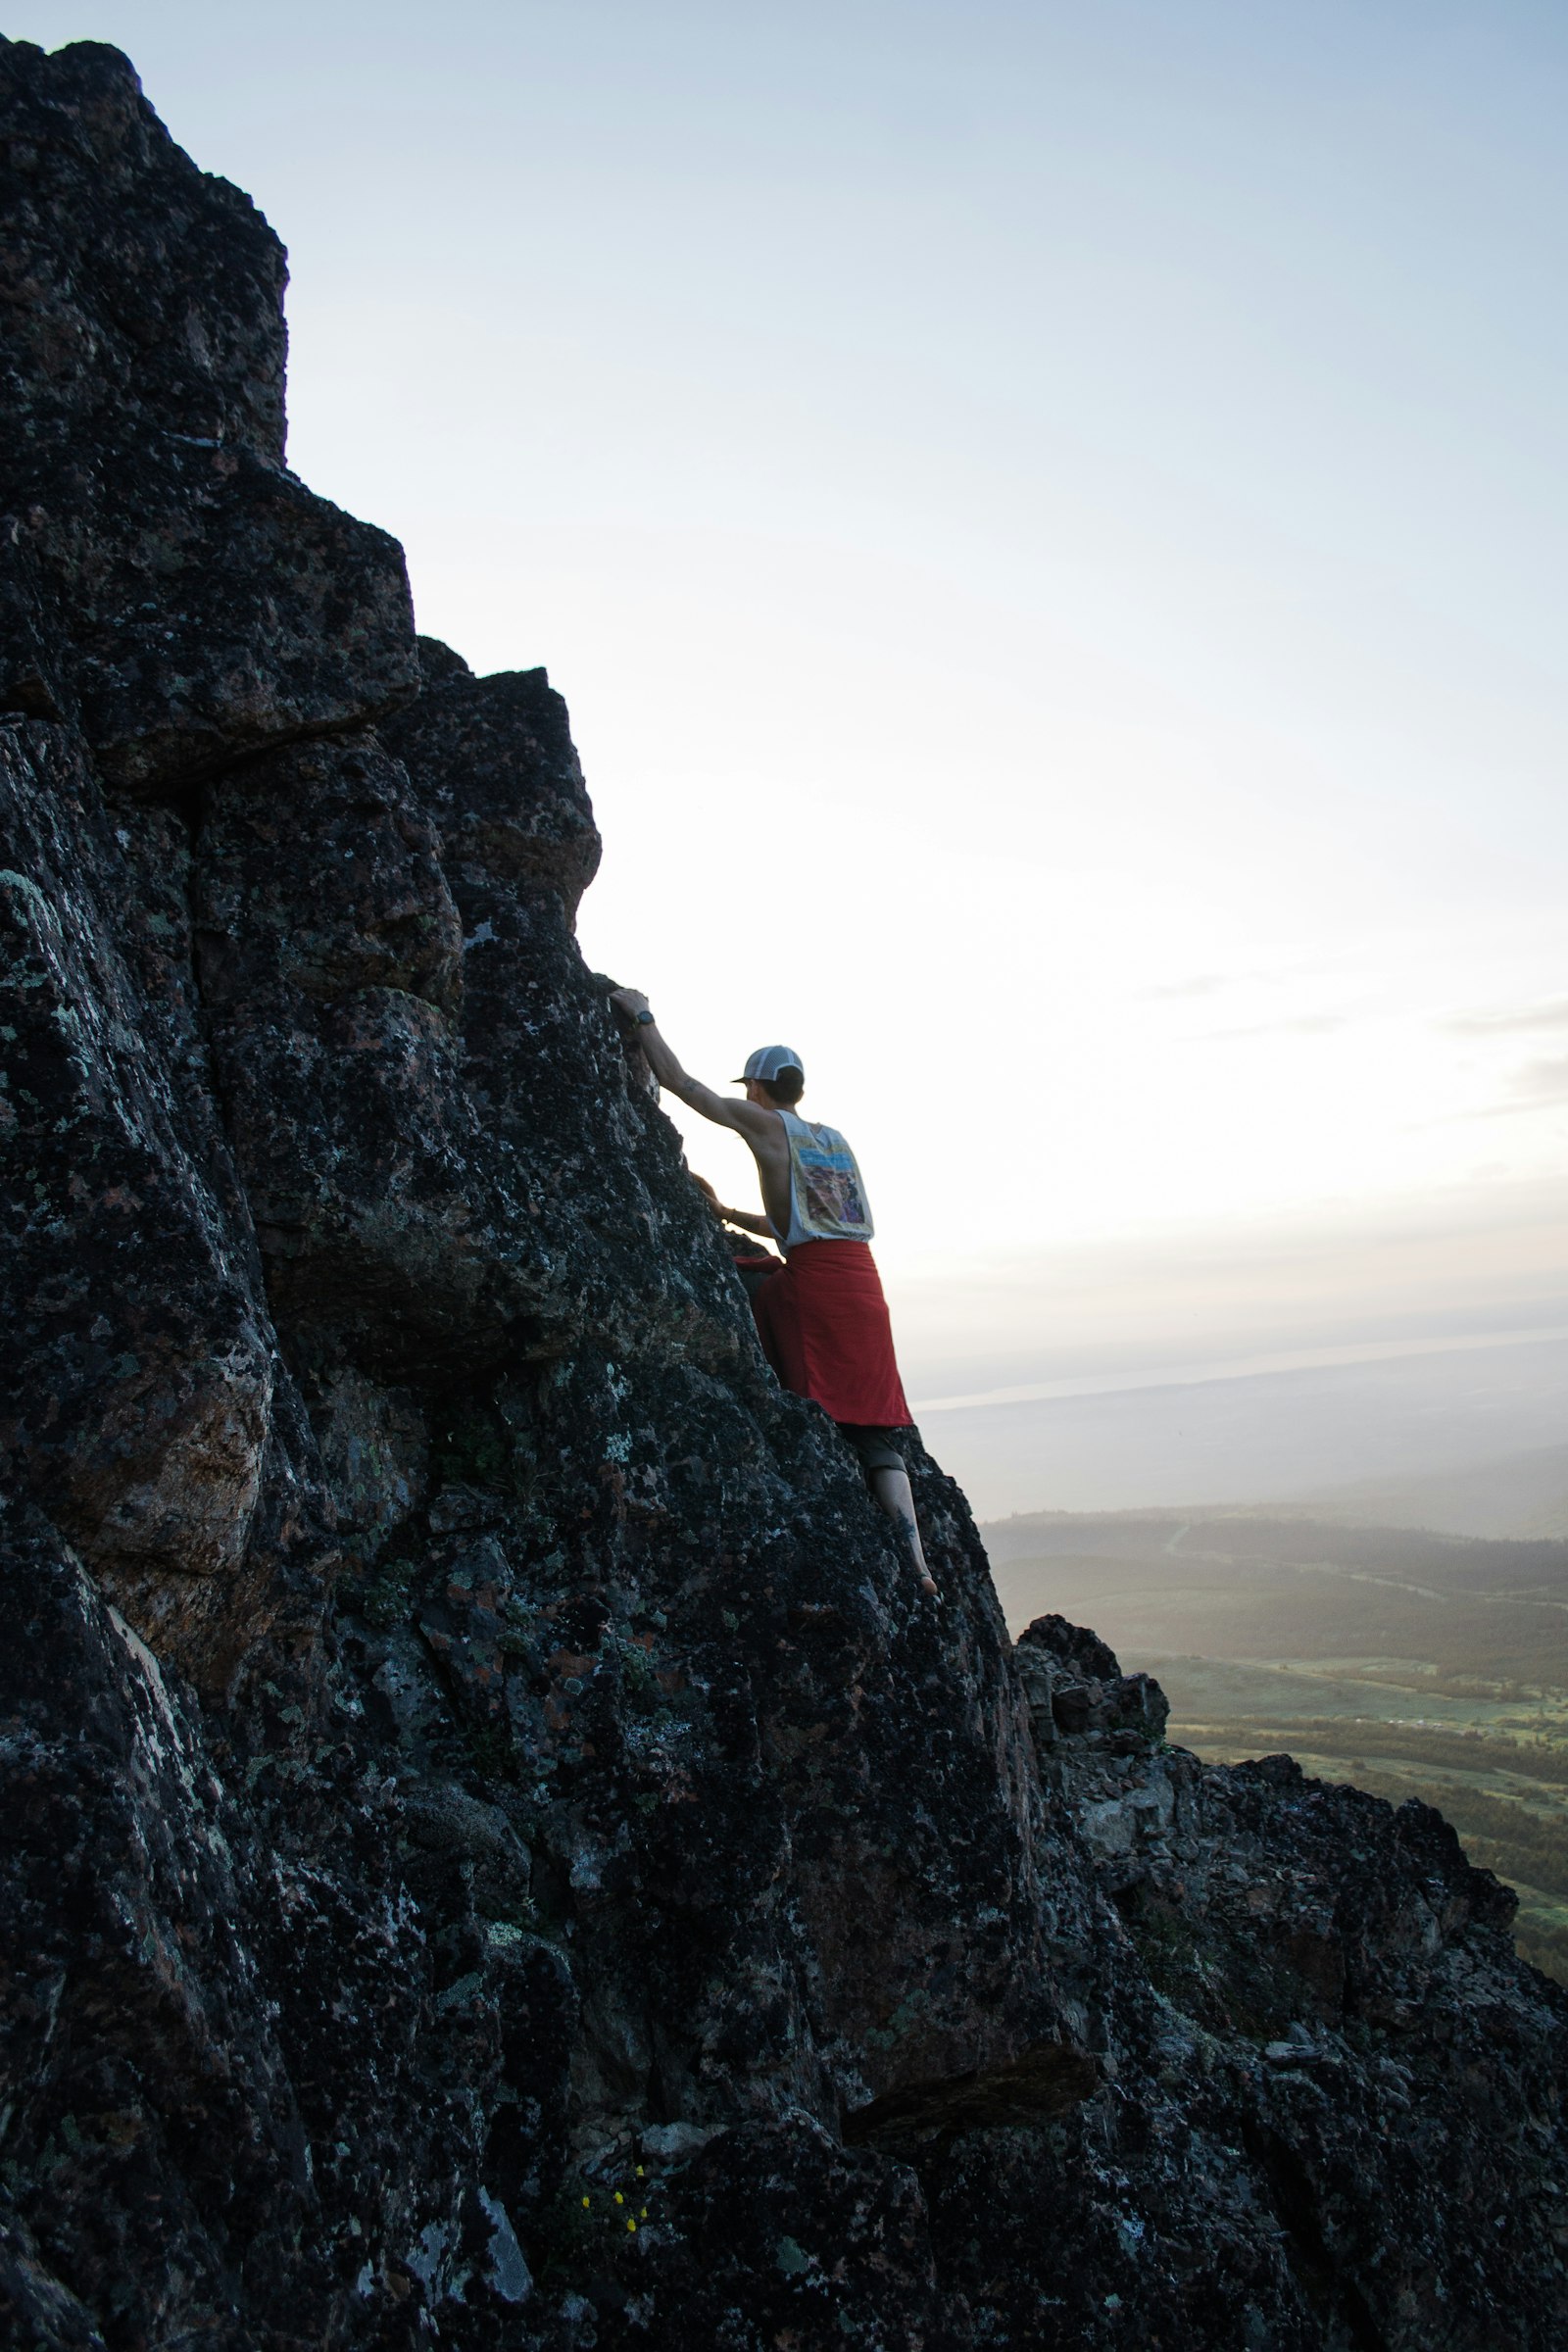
<point x="495" y="1853"/>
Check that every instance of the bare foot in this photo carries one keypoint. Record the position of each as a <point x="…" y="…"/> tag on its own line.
<point x="928" y="1583"/>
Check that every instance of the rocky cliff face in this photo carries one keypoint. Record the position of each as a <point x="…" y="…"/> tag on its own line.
<point x="496" y="1851"/>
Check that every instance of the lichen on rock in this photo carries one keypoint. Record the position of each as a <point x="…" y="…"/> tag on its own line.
<point x="496" y="1850"/>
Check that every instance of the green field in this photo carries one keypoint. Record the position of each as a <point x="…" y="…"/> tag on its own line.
<point x="1412" y="1664"/>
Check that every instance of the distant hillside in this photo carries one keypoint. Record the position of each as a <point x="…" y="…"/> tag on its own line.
<point x="1512" y="1494"/>
<point x="1334" y="1439"/>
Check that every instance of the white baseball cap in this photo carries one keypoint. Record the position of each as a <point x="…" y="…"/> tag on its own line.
<point x="768" y="1061"/>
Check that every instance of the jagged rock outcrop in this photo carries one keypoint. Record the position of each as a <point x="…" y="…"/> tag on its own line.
<point x="496" y="1851"/>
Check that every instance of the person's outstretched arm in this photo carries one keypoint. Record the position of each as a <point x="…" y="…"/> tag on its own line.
<point x="749" y="1119"/>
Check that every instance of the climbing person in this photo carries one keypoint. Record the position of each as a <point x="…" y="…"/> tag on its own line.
<point x="821" y="1316"/>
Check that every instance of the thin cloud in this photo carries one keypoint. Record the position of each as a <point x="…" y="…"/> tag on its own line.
<point x="1304" y="1024"/>
<point x="1511" y="1020"/>
<point x="1544" y="1081"/>
<point x="1538" y="1086"/>
<point x="1201" y="984"/>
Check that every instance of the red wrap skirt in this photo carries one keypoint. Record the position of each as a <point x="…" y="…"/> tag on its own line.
<point x="824" y="1328"/>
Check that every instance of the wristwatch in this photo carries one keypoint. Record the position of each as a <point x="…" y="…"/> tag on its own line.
<point x="644" y="1019"/>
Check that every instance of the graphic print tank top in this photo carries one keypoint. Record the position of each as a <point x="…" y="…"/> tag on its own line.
<point x="827" y="1198"/>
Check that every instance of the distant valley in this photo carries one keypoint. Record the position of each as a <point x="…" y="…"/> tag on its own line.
<point x="1412" y="1662"/>
<point x="1513" y="1494"/>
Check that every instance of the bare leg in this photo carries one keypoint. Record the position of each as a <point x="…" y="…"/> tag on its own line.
<point x="893" y="1492"/>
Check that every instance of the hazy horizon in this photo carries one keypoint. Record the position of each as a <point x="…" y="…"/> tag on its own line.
<point x="1049" y="526"/>
<point x="1413" y="1425"/>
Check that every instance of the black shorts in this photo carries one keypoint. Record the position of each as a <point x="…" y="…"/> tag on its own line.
<point x="874" y="1447"/>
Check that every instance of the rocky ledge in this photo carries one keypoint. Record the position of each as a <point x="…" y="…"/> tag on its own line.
<point x="495" y="1853"/>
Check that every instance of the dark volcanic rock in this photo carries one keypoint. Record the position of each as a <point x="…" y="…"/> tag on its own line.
<point x="497" y="1852"/>
<point x="170" y="584"/>
<point x="505" y="785"/>
<point x="137" y="1395"/>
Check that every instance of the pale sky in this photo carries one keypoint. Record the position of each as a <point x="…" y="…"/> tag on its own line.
<point x="1050" y="523"/>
